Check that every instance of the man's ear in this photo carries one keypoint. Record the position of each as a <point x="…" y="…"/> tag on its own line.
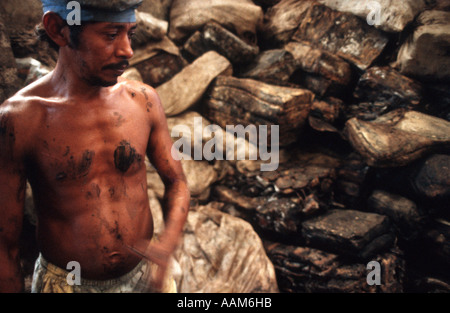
<point x="56" y="28"/>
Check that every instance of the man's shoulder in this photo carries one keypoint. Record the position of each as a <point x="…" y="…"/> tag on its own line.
<point x="19" y="122"/>
<point x="20" y="105"/>
<point x="145" y="95"/>
<point x="142" y="89"/>
<point x="23" y="108"/>
<point x="35" y="93"/>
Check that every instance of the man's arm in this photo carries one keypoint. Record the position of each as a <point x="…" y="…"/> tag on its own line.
<point x="12" y="195"/>
<point x="176" y="196"/>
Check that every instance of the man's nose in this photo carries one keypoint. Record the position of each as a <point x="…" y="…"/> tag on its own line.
<point x="124" y="50"/>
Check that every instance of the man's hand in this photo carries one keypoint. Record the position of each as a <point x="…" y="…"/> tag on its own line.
<point x="159" y="253"/>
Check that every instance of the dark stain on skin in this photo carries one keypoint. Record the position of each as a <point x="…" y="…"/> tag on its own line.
<point x="120" y="119"/>
<point x="144" y="91"/>
<point x="3" y="124"/>
<point x="7" y="136"/>
<point x="66" y="153"/>
<point x="112" y="257"/>
<point x="98" y="191"/>
<point x="82" y="169"/>
<point x="133" y="94"/>
<point x="4" y="127"/>
<point x="112" y="229"/>
<point x="77" y="169"/>
<point x="115" y="231"/>
<point x="125" y="155"/>
<point x="116" y="193"/>
<point x="94" y="192"/>
<point x="148" y="104"/>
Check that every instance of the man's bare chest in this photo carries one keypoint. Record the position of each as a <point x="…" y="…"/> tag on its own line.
<point x="72" y="146"/>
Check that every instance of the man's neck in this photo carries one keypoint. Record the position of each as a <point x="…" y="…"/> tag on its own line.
<point x="67" y="83"/>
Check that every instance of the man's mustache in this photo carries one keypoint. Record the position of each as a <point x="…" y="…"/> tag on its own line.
<point x="117" y="66"/>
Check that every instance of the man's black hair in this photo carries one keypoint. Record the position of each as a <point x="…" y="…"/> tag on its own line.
<point x="75" y="31"/>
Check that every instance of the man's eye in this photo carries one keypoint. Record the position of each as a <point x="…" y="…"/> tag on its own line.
<point x="111" y="36"/>
<point x="131" y="35"/>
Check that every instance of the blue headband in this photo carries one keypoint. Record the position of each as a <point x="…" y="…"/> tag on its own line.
<point x="90" y="14"/>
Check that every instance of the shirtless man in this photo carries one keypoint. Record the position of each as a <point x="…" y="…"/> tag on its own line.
<point x="80" y="136"/>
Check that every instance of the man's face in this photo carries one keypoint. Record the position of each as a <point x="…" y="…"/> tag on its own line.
<point x="103" y="52"/>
